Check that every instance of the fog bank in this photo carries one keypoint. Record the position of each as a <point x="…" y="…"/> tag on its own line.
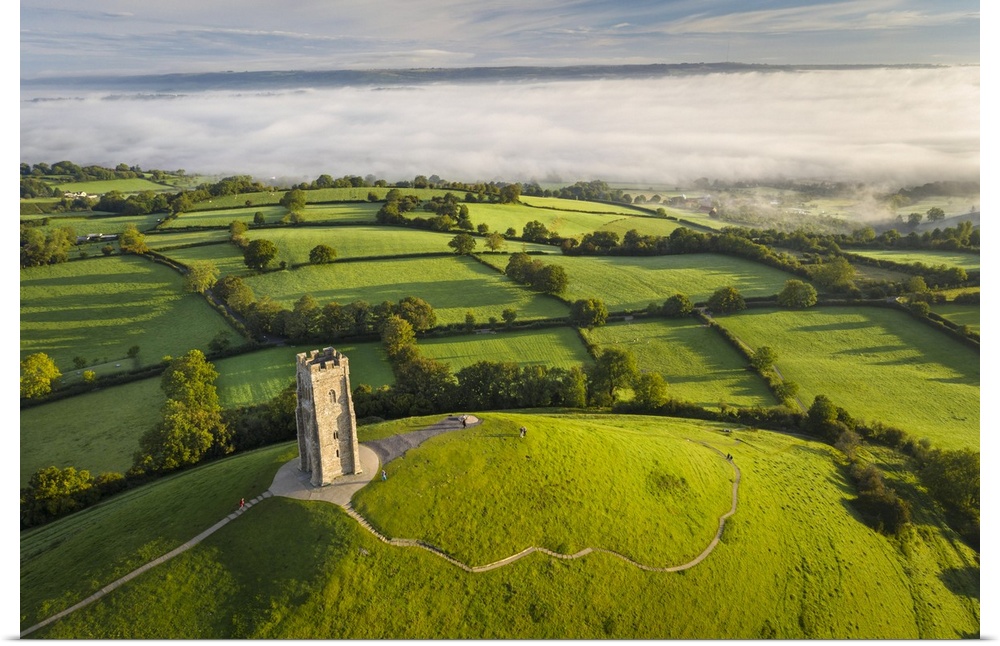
<point x="902" y="126"/>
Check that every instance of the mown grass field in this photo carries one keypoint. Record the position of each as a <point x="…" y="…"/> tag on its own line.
<point x="794" y="562"/>
<point x="294" y="243"/>
<point x="168" y="241"/>
<point x="97" y="431"/>
<point x="258" y="376"/>
<point x="99" y="308"/>
<point x="583" y="206"/>
<point x="132" y="185"/>
<point x="634" y="282"/>
<point x="697" y="363"/>
<point x="222" y="217"/>
<point x="84" y="224"/>
<point x="877" y="363"/>
<point x="968" y="261"/>
<point x="959" y="314"/>
<point x="227" y="257"/>
<point x="500" y="217"/>
<point x="452" y="285"/>
<point x="553" y="347"/>
<point x="359" y="194"/>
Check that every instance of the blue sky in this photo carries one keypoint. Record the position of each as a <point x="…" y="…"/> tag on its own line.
<point x="59" y="37"/>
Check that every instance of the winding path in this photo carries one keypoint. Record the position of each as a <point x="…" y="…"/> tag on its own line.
<point x="411" y="542"/>
<point x="291" y="483"/>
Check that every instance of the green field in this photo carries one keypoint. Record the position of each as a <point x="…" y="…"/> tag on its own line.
<point x="959" y="314"/>
<point x="553" y="347"/>
<point x="294" y="243"/>
<point x="452" y="285"/>
<point x="132" y="185"/>
<point x="583" y="206"/>
<point x="793" y="563"/>
<point x="98" y="308"/>
<point x="222" y="217"/>
<point x="97" y="431"/>
<point x="84" y="224"/>
<point x="256" y="377"/>
<point x="697" y="363"/>
<point x="227" y="257"/>
<point x="967" y="261"/>
<point x="625" y="282"/>
<point x="359" y="194"/>
<point x="877" y="363"/>
<point x="161" y="241"/>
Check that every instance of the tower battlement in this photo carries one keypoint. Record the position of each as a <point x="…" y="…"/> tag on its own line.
<point x="324" y="416"/>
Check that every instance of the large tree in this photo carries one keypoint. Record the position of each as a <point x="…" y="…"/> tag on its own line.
<point x="38" y="371"/>
<point x="418" y="312"/>
<point x="397" y="336"/>
<point x="614" y="370"/>
<point x="201" y="275"/>
<point x="726" y="300"/>
<point x="259" y="253"/>
<point x="797" y="294"/>
<point x="463" y="244"/>
<point x="677" y="306"/>
<point x="131" y="240"/>
<point x="835" y="274"/>
<point x="588" y="313"/>
<point x="550" y="279"/>
<point x="322" y="254"/>
<point x="293" y="200"/>
<point x="191" y="421"/>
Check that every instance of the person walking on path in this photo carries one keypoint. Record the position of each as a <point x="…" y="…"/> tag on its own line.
<point x="243" y="503"/>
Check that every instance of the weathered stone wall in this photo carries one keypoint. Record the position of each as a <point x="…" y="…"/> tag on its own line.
<point x="327" y="429"/>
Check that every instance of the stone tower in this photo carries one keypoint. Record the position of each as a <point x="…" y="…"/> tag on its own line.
<point x="324" y="417"/>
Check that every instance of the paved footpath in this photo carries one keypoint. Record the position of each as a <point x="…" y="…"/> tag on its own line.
<point x="289" y="482"/>
<point x="292" y="483"/>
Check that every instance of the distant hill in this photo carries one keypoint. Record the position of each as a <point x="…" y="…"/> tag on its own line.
<point x="394" y="77"/>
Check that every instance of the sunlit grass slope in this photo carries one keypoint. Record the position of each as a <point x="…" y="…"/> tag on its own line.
<point x="959" y="314"/>
<point x="697" y="363"/>
<point x="256" y="377"/>
<point x="879" y="364"/>
<point x="624" y="282"/>
<point x="929" y="257"/>
<point x="294" y="243"/>
<point x="222" y="217"/>
<point x="66" y="561"/>
<point x="453" y="286"/>
<point x="97" y="309"/>
<point x="794" y="561"/>
<point x="553" y="347"/>
<point x="578" y="484"/>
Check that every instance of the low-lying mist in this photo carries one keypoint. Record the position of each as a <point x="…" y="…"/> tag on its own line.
<point x="893" y="126"/>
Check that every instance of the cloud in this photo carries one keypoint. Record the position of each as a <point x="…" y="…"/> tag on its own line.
<point x="894" y="125"/>
<point x="834" y="16"/>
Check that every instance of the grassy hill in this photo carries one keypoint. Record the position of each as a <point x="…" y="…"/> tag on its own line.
<point x="795" y="561"/>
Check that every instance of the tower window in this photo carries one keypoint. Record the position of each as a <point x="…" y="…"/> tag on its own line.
<point x="333" y="397"/>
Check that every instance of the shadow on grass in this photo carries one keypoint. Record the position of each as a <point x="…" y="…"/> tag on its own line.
<point x="961" y="581"/>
